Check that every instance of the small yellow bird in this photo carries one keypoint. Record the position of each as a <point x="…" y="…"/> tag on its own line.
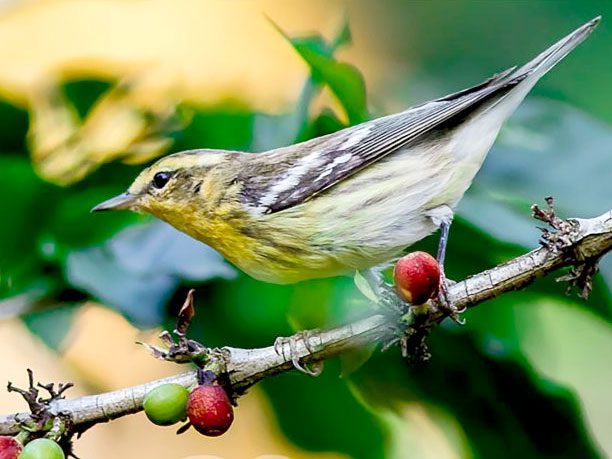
<point x="347" y="201"/>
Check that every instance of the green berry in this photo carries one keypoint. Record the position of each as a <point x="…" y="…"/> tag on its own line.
<point x="166" y="404"/>
<point x="42" y="448"/>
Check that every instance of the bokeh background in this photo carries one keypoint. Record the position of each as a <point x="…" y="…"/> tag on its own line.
<point x="90" y="92"/>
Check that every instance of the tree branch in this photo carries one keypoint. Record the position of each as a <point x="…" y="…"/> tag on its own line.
<point x="589" y="241"/>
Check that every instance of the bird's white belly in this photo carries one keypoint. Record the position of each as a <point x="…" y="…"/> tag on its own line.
<point x="381" y="210"/>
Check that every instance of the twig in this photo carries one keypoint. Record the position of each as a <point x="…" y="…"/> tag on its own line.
<point x="591" y="239"/>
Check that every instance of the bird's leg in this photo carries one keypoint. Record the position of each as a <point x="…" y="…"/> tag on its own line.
<point x="444" y="218"/>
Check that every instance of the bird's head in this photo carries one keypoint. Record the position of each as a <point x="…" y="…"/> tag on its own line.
<point x="171" y="186"/>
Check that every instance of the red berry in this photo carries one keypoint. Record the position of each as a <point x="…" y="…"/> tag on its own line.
<point x="209" y="410"/>
<point x="417" y="277"/>
<point x="9" y="448"/>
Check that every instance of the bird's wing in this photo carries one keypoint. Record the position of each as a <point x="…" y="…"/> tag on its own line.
<point x="282" y="178"/>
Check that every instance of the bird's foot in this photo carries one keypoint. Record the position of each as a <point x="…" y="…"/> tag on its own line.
<point x="444" y="302"/>
<point x="305" y="339"/>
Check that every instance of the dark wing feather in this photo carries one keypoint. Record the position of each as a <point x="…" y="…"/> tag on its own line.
<point x="282" y="178"/>
<point x="285" y="177"/>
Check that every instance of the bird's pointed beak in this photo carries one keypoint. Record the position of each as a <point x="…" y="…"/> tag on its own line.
<point x="122" y="201"/>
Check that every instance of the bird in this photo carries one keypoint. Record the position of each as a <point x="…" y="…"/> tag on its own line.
<point x="350" y="201"/>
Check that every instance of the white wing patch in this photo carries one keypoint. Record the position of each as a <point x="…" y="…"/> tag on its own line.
<point x="306" y="165"/>
<point x="291" y="179"/>
<point x="355" y="138"/>
<point x="330" y="167"/>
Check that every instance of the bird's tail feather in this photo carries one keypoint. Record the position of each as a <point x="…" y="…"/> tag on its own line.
<point x="537" y="67"/>
<point x="514" y="86"/>
<point x="507" y="92"/>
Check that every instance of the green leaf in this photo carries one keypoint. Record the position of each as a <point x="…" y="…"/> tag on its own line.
<point x="344" y="80"/>
<point x="51" y="324"/>
<point x="84" y="93"/>
<point x="343" y="36"/>
<point x="73" y="226"/>
<point x="321" y="414"/>
<point x="26" y="206"/>
<point x="324" y="123"/>
<point x="504" y="408"/>
<point x="353" y="359"/>
<point x="227" y="127"/>
<point x="14" y="122"/>
<point x="17" y="300"/>
<point x="46" y="222"/>
<point x="139" y="269"/>
<point x="365" y="288"/>
<point x="140" y="298"/>
<point x="566" y="347"/>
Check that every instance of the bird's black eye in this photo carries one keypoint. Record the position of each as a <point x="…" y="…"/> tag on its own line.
<point x="160" y="179"/>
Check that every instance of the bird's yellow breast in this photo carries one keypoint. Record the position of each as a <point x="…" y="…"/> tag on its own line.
<point x="259" y="247"/>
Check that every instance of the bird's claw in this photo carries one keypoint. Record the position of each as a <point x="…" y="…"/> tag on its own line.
<point x="292" y="342"/>
<point x="444" y="302"/>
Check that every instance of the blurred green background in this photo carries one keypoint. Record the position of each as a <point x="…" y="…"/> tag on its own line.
<point x="529" y="374"/>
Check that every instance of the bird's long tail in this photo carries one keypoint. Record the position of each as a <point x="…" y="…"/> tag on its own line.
<point x="546" y="60"/>
<point x="525" y="77"/>
<point x="513" y="86"/>
<point x="507" y="90"/>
